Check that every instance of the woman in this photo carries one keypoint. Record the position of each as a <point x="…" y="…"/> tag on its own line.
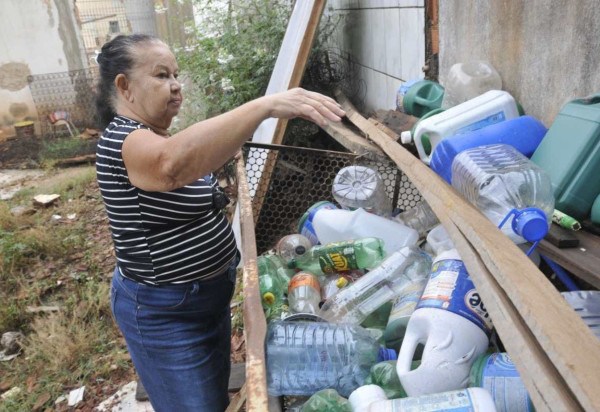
<point x="176" y="254"/>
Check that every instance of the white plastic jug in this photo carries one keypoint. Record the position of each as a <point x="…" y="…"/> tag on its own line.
<point x="453" y="324"/>
<point x="489" y="108"/>
<point x="338" y="225"/>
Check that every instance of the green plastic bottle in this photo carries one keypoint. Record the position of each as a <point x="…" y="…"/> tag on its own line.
<point x="326" y="400"/>
<point x="271" y="287"/>
<point x="596" y="211"/>
<point x="423" y="97"/>
<point x="284" y="272"/>
<point x="570" y="154"/>
<point x="384" y="375"/>
<point x="365" y="253"/>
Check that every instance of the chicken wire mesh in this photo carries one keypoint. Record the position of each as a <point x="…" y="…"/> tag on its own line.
<point x="300" y="177"/>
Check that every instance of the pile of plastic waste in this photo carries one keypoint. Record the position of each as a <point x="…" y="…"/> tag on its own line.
<point x="371" y="308"/>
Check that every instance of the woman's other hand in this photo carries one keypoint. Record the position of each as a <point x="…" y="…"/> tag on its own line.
<point x="304" y="104"/>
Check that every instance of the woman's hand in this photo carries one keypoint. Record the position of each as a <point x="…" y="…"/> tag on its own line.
<point x="305" y="104"/>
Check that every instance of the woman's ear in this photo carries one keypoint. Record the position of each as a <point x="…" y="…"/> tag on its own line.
<point x="122" y="86"/>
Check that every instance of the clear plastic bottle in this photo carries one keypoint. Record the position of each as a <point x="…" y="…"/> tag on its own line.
<point x="284" y="272"/>
<point x="333" y="283"/>
<point x="291" y="246"/>
<point x="354" y="303"/>
<point x="304" y="293"/>
<point x="468" y="80"/>
<point x="326" y="400"/>
<point x="360" y="186"/>
<point x="364" y="253"/>
<point x="498" y="180"/>
<point x="306" y="357"/>
<point x="421" y="218"/>
<point x="271" y="286"/>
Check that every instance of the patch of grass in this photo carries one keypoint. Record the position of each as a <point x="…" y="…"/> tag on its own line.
<point x="64" y="148"/>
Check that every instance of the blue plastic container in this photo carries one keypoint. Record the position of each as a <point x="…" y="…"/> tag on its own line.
<point x="523" y="133"/>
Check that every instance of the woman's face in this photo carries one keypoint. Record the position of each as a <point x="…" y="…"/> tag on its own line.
<point x="155" y="92"/>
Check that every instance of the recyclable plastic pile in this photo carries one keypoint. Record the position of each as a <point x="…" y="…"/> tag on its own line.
<point x="370" y="308"/>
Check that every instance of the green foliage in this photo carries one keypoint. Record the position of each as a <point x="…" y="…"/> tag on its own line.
<point x="63" y="148"/>
<point x="234" y="51"/>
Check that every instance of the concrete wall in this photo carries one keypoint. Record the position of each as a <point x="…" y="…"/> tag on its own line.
<point x="384" y="41"/>
<point x="546" y="51"/>
<point x="35" y="37"/>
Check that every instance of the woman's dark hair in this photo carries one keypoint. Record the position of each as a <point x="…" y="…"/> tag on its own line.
<point x="116" y="57"/>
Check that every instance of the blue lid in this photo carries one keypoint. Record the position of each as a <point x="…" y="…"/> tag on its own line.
<point x="386" y="354"/>
<point x="531" y="224"/>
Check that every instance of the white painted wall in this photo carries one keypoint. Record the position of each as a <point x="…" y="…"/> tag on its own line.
<point x="29" y="34"/>
<point x="385" y="40"/>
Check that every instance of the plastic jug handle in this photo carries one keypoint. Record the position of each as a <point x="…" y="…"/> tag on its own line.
<point x="593" y="99"/>
<point x="418" y="140"/>
<point x="421" y="101"/>
<point x="407" y="352"/>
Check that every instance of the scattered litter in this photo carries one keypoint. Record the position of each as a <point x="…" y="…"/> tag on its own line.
<point x="37" y="309"/>
<point x="72" y="216"/>
<point x="76" y="396"/>
<point x="11" y="344"/>
<point x="124" y="401"/>
<point x="56" y="217"/>
<point x="45" y="200"/>
<point x="60" y="399"/>
<point x="22" y="211"/>
<point x="11" y="393"/>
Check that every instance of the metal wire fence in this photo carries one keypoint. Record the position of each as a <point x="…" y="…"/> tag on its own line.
<point x="300" y="177"/>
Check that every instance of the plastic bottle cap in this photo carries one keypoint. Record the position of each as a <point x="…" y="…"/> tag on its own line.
<point x="341" y="282"/>
<point x="406" y="137"/>
<point x="269" y="298"/>
<point x="364" y="396"/>
<point x="531" y="224"/>
<point x="386" y="354"/>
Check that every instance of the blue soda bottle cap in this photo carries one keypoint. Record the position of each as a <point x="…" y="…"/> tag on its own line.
<point x="531" y="224"/>
<point x="386" y="354"/>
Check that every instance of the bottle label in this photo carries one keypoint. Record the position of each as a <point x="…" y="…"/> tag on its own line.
<point x="338" y="257"/>
<point x="455" y="401"/>
<point x="491" y="119"/>
<point x="304" y="279"/>
<point x="451" y="288"/>
<point x="406" y="303"/>
<point x="309" y="232"/>
<point x="501" y="378"/>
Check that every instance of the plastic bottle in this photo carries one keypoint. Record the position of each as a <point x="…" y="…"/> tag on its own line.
<point x="360" y="186"/>
<point x="333" y="283"/>
<point x="305" y="357"/>
<point x="338" y="225"/>
<point x="305" y="227"/>
<point x="498" y="374"/>
<point x="383" y="284"/>
<point x="497" y="179"/>
<point x="304" y="293"/>
<point x="491" y="107"/>
<point x="595" y="215"/>
<point x="271" y="286"/>
<point x="326" y="400"/>
<point x="439" y="240"/>
<point x="364" y="253"/>
<point x="569" y="154"/>
<point x="468" y="80"/>
<point x="383" y="374"/>
<point x="587" y="305"/>
<point x="423" y="97"/>
<point x="371" y="398"/>
<point x="291" y="246"/>
<point x="401" y="92"/>
<point x="420" y="218"/>
<point x="453" y="324"/>
<point x="284" y="272"/>
<point x="523" y="133"/>
<point x="402" y="309"/>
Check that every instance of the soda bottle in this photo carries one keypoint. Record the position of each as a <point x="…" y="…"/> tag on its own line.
<point x="504" y="184"/>
<point x="354" y="303"/>
<point x="270" y="285"/>
<point x="284" y="272"/>
<point x="291" y="246"/>
<point x="304" y="293"/>
<point x="360" y="186"/>
<point x="364" y="253"/>
<point x="334" y="282"/>
<point x="420" y="218"/>
<point x="305" y="357"/>
<point x="326" y="400"/>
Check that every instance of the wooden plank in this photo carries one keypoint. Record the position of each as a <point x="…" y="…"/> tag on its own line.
<point x="354" y="142"/>
<point x="255" y="326"/>
<point x="237" y="377"/>
<point x="556" y="330"/>
<point x="582" y="261"/>
<point x="238" y="400"/>
<point x="561" y="238"/>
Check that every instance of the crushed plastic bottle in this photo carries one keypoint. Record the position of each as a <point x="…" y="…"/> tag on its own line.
<point x="361" y="186"/>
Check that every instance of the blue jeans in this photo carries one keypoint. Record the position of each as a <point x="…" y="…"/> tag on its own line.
<point x="179" y="338"/>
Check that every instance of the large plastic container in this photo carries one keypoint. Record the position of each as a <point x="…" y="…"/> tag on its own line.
<point x="523" y="133"/>
<point x="371" y="398"/>
<point x="423" y="97"/>
<point x="453" y="324"/>
<point x="570" y="154"/>
<point x="498" y="374"/>
<point x="305" y="226"/>
<point x="502" y="183"/>
<point x="338" y="225"/>
<point x="490" y="108"/>
<point x="595" y="215"/>
<point x="402" y="309"/>
<point x="361" y="186"/>
<point x="389" y="280"/>
<point x="306" y="357"/>
<point x="468" y="80"/>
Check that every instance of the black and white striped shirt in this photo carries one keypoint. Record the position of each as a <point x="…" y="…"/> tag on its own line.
<point x="160" y="237"/>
